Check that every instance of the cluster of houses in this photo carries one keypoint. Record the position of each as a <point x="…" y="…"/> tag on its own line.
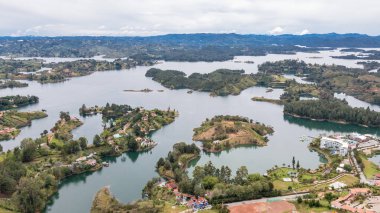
<point x="88" y="160"/>
<point x="7" y="130"/>
<point x="349" y="202"/>
<point x="341" y="144"/>
<point x="191" y="201"/>
<point x="146" y="142"/>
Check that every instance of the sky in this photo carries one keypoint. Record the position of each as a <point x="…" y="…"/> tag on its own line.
<point x="157" y="17"/>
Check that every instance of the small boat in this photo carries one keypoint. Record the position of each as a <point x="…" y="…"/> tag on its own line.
<point x="105" y="164"/>
<point x="123" y="158"/>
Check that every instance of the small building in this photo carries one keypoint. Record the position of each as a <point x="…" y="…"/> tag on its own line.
<point x="337" y="185"/>
<point x="368" y="144"/>
<point x="116" y="136"/>
<point x="81" y="159"/>
<point x="287" y="179"/>
<point x="91" y="162"/>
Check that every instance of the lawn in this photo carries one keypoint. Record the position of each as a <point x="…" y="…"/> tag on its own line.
<point x="370" y="168"/>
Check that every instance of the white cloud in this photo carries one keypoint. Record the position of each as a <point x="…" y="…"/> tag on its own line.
<point x="304" y="32"/>
<point x="276" y="30"/>
<point x="151" y="17"/>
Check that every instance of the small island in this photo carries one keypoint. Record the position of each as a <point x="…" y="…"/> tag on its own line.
<point x="13" y="102"/>
<point x="12" y="84"/>
<point x="224" y="132"/>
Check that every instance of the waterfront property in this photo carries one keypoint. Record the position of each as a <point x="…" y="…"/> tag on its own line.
<point x="336" y="146"/>
<point x="341" y="144"/>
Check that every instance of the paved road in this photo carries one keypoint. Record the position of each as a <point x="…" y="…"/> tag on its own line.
<point x="287" y="197"/>
<point x="363" y="179"/>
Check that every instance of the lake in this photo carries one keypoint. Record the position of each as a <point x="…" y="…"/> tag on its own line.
<point x="127" y="179"/>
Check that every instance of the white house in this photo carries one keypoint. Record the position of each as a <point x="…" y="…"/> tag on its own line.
<point x="337" y="146"/>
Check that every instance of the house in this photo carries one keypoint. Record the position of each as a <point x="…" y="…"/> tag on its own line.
<point x="81" y="159"/>
<point x="337" y="185"/>
<point x="116" y="136"/>
<point x="337" y="146"/>
<point x="368" y="144"/>
<point x="358" y="137"/>
<point x="91" y="162"/>
<point x="287" y="179"/>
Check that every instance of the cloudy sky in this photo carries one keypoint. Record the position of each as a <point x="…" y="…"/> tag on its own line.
<point x="153" y="17"/>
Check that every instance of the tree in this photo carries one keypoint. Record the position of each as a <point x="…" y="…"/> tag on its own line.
<point x="299" y="199"/>
<point x="29" y="196"/>
<point x="241" y="175"/>
<point x="1" y="148"/>
<point x="293" y="162"/>
<point x="132" y="144"/>
<point x="64" y="116"/>
<point x="298" y="165"/>
<point x="329" y="197"/>
<point x="28" y="150"/>
<point x="97" y="140"/>
<point x="209" y="182"/>
<point x="83" y="143"/>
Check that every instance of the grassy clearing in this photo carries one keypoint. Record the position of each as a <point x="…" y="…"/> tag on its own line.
<point x="370" y="168"/>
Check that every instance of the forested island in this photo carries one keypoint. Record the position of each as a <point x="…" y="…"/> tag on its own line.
<point x="224" y="132"/>
<point x="220" y="82"/>
<point x="11" y="122"/>
<point x="12" y="84"/>
<point x="13" y="102"/>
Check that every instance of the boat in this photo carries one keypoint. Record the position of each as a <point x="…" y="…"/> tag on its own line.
<point x="105" y="164"/>
<point x="123" y="158"/>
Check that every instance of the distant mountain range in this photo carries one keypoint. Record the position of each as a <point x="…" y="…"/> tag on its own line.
<point x="191" y="47"/>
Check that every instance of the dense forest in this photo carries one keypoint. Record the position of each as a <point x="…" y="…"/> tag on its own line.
<point x="221" y="82"/>
<point x="12" y="102"/>
<point x="332" y="110"/>
<point x="179" y="47"/>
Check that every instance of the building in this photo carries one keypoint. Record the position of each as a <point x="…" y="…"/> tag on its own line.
<point x="368" y="144"/>
<point x="337" y="146"/>
<point x="337" y="185"/>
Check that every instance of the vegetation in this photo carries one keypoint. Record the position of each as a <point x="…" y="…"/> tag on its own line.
<point x="223" y="132"/>
<point x="11" y="84"/>
<point x="11" y="121"/>
<point x="370" y="65"/>
<point x="12" y="102"/>
<point x="130" y="128"/>
<point x="369" y="168"/>
<point x="221" y="82"/>
<point x="57" y="72"/>
<point x="10" y="66"/>
<point x="333" y="110"/>
<point x="180" y="47"/>
<point x="333" y="78"/>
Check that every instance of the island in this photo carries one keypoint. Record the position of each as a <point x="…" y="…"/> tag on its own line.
<point x="11" y="121"/>
<point x="221" y="82"/>
<point x="17" y="101"/>
<point x="12" y="84"/>
<point x="224" y="132"/>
